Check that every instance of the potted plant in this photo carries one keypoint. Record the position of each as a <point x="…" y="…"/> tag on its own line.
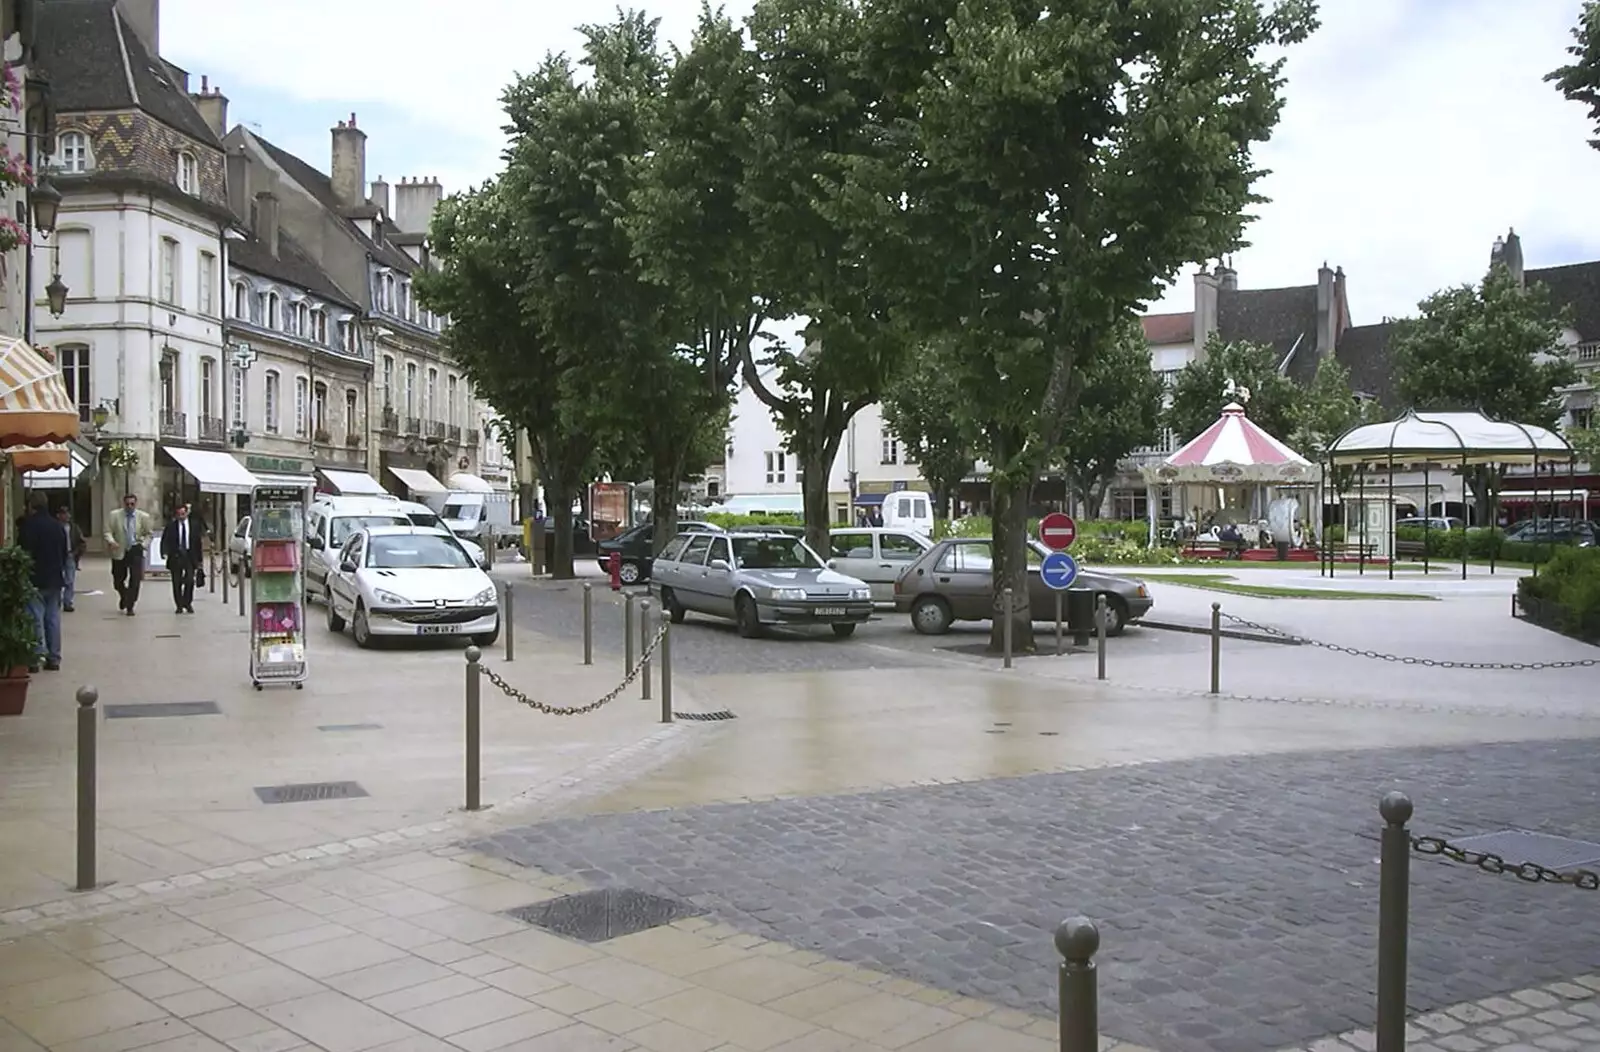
<point x="18" y="636"/>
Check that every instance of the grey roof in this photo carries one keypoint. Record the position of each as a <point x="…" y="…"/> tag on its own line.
<point x="1576" y="287"/>
<point x="1364" y="351"/>
<point x="1276" y="318"/>
<point x="320" y="186"/>
<point x="292" y="266"/>
<point x="95" y="62"/>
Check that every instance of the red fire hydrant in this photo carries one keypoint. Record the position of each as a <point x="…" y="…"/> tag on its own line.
<point x="614" y="568"/>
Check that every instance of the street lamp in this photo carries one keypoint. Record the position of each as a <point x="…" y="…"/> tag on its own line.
<point x="101" y="414"/>
<point x="46" y="205"/>
<point x="56" y="294"/>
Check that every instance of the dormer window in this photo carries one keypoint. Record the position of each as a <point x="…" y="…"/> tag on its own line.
<point x="302" y="320"/>
<point x="319" y="326"/>
<point x="241" y="301"/>
<point x="273" y="318"/>
<point x="405" y="302"/>
<point x="188" y="173"/>
<point x="386" y="293"/>
<point x="72" y="153"/>
<point x="347" y="331"/>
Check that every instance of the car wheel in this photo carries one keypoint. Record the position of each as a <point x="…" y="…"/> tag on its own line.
<point x="1116" y="614"/>
<point x="844" y="631"/>
<point x="629" y="573"/>
<point x="745" y="616"/>
<point x="360" y="629"/>
<point x="675" y="610"/>
<point x="335" y="622"/>
<point x="931" y="616"/>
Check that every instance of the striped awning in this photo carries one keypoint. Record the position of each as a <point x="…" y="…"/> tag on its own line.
<point x="40" y="458"/>
<point x="34" y="407"/>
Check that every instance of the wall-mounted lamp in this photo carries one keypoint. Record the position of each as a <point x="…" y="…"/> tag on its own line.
<point x="56" y="294"/>
<point x="103" y="412"/>
<point x="46" y="205"/>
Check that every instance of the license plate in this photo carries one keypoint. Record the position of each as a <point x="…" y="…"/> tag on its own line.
<point x="435" y="630"/>
<point x="830" y="611"/>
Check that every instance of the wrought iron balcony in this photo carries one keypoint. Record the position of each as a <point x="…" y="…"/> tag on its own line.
<point x="213" y="430"/>
<point x="352" y="439"/>
<point x="322" y="436"/>
<point x="472" y="436"/>
<point x="413" y="425"/>
<point x="174" y="424"/>
<point x="391" y="420"/>
<point x="452" y="434"/>
<point x="436" y="429"/>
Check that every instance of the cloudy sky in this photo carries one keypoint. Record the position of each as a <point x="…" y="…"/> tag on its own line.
<point x="1415" y="131"/>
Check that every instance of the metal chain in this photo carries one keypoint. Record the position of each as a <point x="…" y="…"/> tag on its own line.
<point x="1489" y="862"/>
<point x="1516" y="666"/>
<point x="575" y="710"/>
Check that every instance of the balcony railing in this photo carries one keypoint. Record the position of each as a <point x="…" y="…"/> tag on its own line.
<point x="413" y="425"/>
<point x="1587" y="353"/>
<point x="453" y="434"/>
<point x="173" y="424"/>
<point x="391" y="420"/>
<point x="472" y="436"/>
<point x="213" y="430"/>
<point x="322" y="436"/>
<point x="436" y="429"/>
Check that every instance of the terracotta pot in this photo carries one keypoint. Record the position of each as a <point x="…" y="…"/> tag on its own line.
<point x="14" y="691"/>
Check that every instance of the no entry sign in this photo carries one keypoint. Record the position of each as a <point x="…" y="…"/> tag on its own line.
<point x="1057" y="531"/>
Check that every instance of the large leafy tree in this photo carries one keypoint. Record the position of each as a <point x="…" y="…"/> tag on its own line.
<point x="1327" y="409"/>
<point x="1580" y="79"/>
<point x="1053" y="165"/>
<point x="1214" y="379"/>
<point x="922" y="407"/>
<point x="1119" y="410"/>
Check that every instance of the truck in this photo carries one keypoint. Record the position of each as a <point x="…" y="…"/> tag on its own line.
<point x="482" y="517"/>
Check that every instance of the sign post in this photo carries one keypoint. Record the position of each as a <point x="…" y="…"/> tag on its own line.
<point x="1057" y="531"/>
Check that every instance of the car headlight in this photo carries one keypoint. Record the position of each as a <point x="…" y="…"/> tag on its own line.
<point x="789" y="594"/>
<point x="388" y="598"/>
<point x="860" y="593"/>
<point x="487" y="597"/>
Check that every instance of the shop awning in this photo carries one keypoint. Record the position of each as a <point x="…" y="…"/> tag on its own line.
<point x="419" y="482"/>
<point x="267" y="478"/>
<point x="352" y="483"/>
<point x="469" y="483"/>
<point x="34" y="407"/>
<point x="213" y="471"/>
<point x="1545" y="496"/>
<point x="58" y="477"/>
<point x="869" y="500"/>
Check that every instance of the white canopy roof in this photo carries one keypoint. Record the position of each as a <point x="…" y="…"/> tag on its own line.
<point x="353" y="483"/>
<point x="213" y="470"/>
<point x="418" y="481"/>
<point x="1449" y="439"/>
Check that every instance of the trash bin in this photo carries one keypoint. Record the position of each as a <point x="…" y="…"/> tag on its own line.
<point x="1080" y="615"/>
<point x="1283" y="551"/>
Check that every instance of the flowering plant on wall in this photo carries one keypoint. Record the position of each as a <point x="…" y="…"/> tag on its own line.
<point x="11" y="89"/>
<point x="120" y="455"/>
<point x="12" y="234"/>
<point x="14" y="168"/>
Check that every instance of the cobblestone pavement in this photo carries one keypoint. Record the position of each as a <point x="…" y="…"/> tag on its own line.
<point x="1237" y="897"/>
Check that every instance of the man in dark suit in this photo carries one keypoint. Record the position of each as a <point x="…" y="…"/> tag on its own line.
<point x="183" y="552"/>
<point x="42" y="537"/>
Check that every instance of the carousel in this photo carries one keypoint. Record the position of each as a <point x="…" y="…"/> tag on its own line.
<point x="1235" y="491"/>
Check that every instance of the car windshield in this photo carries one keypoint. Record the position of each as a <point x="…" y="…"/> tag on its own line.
<point x="462" y="510"/>
<point x="345" y="525"/>
<point x="773" y="553"/>
<point x="424" y="518"/>
<point x="416" y="551"/>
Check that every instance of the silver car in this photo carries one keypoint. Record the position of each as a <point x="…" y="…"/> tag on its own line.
<point x="877" y="555"/>
<point x="757" y="578"/>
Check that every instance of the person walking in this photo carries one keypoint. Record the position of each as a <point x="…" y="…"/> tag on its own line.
<point x="127" y="539"/>
<point x="42" y="537"/>
<point x="76" y="546"/>
<point x="183" y="552"/>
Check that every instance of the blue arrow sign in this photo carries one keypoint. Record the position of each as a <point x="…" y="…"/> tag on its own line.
<point x="1059" y="570"/>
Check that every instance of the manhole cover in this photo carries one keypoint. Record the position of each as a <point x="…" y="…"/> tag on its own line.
<point x="608" y="913"/>
<point x="169" y="635"/>
<point x="162" y="708"/>
<point x="351" y="727"/>
<point x="724" y="714"/>
<point x="1551" y="852"/>
<point x="307" y="792"/>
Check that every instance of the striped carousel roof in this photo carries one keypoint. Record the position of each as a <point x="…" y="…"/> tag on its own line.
<point x="1234" y="439"/>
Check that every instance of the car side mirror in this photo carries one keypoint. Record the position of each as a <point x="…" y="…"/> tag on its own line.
<point x="720" y="564"/>
<point x="833" y="564"/>
<point x="347" y="567"/>
<point x="315" y="542"/>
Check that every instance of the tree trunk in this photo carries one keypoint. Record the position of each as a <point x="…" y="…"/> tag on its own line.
<point x="561" y="512"/>
<point x="942" y="499"/>
<point x="1010" y="551"/>
<point x="815" y="470"/>
<point x="667" y="474"/>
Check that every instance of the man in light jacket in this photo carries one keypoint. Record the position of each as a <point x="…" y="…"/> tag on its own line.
<point x="127" y="539"/>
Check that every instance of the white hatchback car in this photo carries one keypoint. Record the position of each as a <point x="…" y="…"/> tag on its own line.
<point x="410" y="581"/>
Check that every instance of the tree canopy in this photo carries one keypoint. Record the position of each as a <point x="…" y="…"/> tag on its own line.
<point x="922" y="408"/>
<point x="1216" y="378"/>
<point x="1326" y="410"/>
<point x="1579" y="80"/>
<point x="1118" y="411"/>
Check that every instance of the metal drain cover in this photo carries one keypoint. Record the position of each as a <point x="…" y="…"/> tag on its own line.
<point x="721" y="714"/>
<point x="351" y="727"/>
<point x="162" y="708"/>
<point x="608" y="913"/>
<point x="308" y="791"/>
<point x="1544" y="849"/>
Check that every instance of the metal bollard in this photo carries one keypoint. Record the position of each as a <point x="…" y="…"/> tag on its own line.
<point x="474" y="727"/>
<point x="511" y="624"/>
<point x="666" y="666"/>
<point x="227" y="577"/>
<point x="88" y="727"/>
<point x="1394" y="903"/>
<point x="241" y="589"/>
<point x="1077" y="940"/>
<point x="627" y="633"/>
<point x="1216" y="648"/>
<point x="211" y="574"/>
<point x="1058" y="623"/>
<point x="1005" y="628"/>
<point x="644" y="644"/>
<point x="1100" y="633"/>
<point x="588" y="623"/>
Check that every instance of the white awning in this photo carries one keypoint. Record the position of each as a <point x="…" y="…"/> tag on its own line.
<point x="1531" y="496"/>
<point x="470" y="483"/>
<point x="58" y="478"/>
<point x="214" y="471"/>
<point x="418" y="481"/>
<point x="287" y="481"/>
<point x="353" y="483"/>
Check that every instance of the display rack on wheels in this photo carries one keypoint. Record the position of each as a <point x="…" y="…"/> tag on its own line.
<point x="277" y="587"/>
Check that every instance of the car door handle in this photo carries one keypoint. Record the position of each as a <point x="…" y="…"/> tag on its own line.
<point x="886" y="566"/>
<point x="944" y="580"/>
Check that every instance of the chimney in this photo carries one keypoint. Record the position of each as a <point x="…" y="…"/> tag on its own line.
<point x="349" y="169"/>
<point x="240" y="193"/>
<point x="380" y="194"/>
<point x="213" y="106"/>
<point x="414" y="202"/>
<point x="144" y="18"/>
<point x="266" y="223"/>
<point x="1325" y="311"/>
<point x="1227" y="277"/>
<point x="1341" y="304"/>
<point x="1205" y="310"/>
<point x="1508" y="253"/>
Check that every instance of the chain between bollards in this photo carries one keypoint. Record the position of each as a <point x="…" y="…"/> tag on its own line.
<point x="1077" y="940"/>
<point x="1216" y="648"/>
<point x="510" y="626"/>
<point x="88" y="728"/>
<point x="627" y="633"/>
<point x="644" y="653"/>
<point x="588" y="623"/>
<point x="1394" y="905"/>
<point x="474" y="728"/>
<point x="1005" y="628"/>
<point x="666" y="664"/>
<point x="1100" y="633"/>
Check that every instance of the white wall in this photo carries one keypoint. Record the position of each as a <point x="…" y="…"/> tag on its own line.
<point x="754" y="433"/>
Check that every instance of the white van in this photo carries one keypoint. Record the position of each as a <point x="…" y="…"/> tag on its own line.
<point x="329" y="523"/>
<point x="908" y="509"/>
<point x="762" y="504"/>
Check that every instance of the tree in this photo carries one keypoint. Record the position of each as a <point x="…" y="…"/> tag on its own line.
<point x="921" y="406"/>
<point x="1053" y="165"/>
<point x="1326" y="410"/>
<point x="1492" y="348"/>
<point x="1203" y="387"/>
<point x="1586" y="442"/>
<point x="1119" y="410"/>
<point x="1580" y="80"/>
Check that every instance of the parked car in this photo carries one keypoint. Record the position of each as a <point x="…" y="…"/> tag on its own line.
<point x="1431" y="522"/>
<point x="410" y="581"/>
<point x="239" y="548"/>
<point x="877" y="555"/>
<point x="636" y="546"/>
<point x="953" y="581"/>
<point x="422" y="515"/>
<point x="757" y="578"/>
<point x="1580" y="532"/>
<point x="330" y="522"/>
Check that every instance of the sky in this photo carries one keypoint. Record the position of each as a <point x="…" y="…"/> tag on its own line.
<point x="1415" y="131"/>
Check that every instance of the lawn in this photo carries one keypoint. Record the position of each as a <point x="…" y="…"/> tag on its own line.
<point x="1220" y="582"/>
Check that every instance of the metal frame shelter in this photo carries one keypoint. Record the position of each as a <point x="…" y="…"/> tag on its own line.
<point x="1446" y="440"/>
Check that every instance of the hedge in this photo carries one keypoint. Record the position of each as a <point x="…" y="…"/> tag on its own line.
<point x="1477" y="543"/>
<point x="1570" y="581"/>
